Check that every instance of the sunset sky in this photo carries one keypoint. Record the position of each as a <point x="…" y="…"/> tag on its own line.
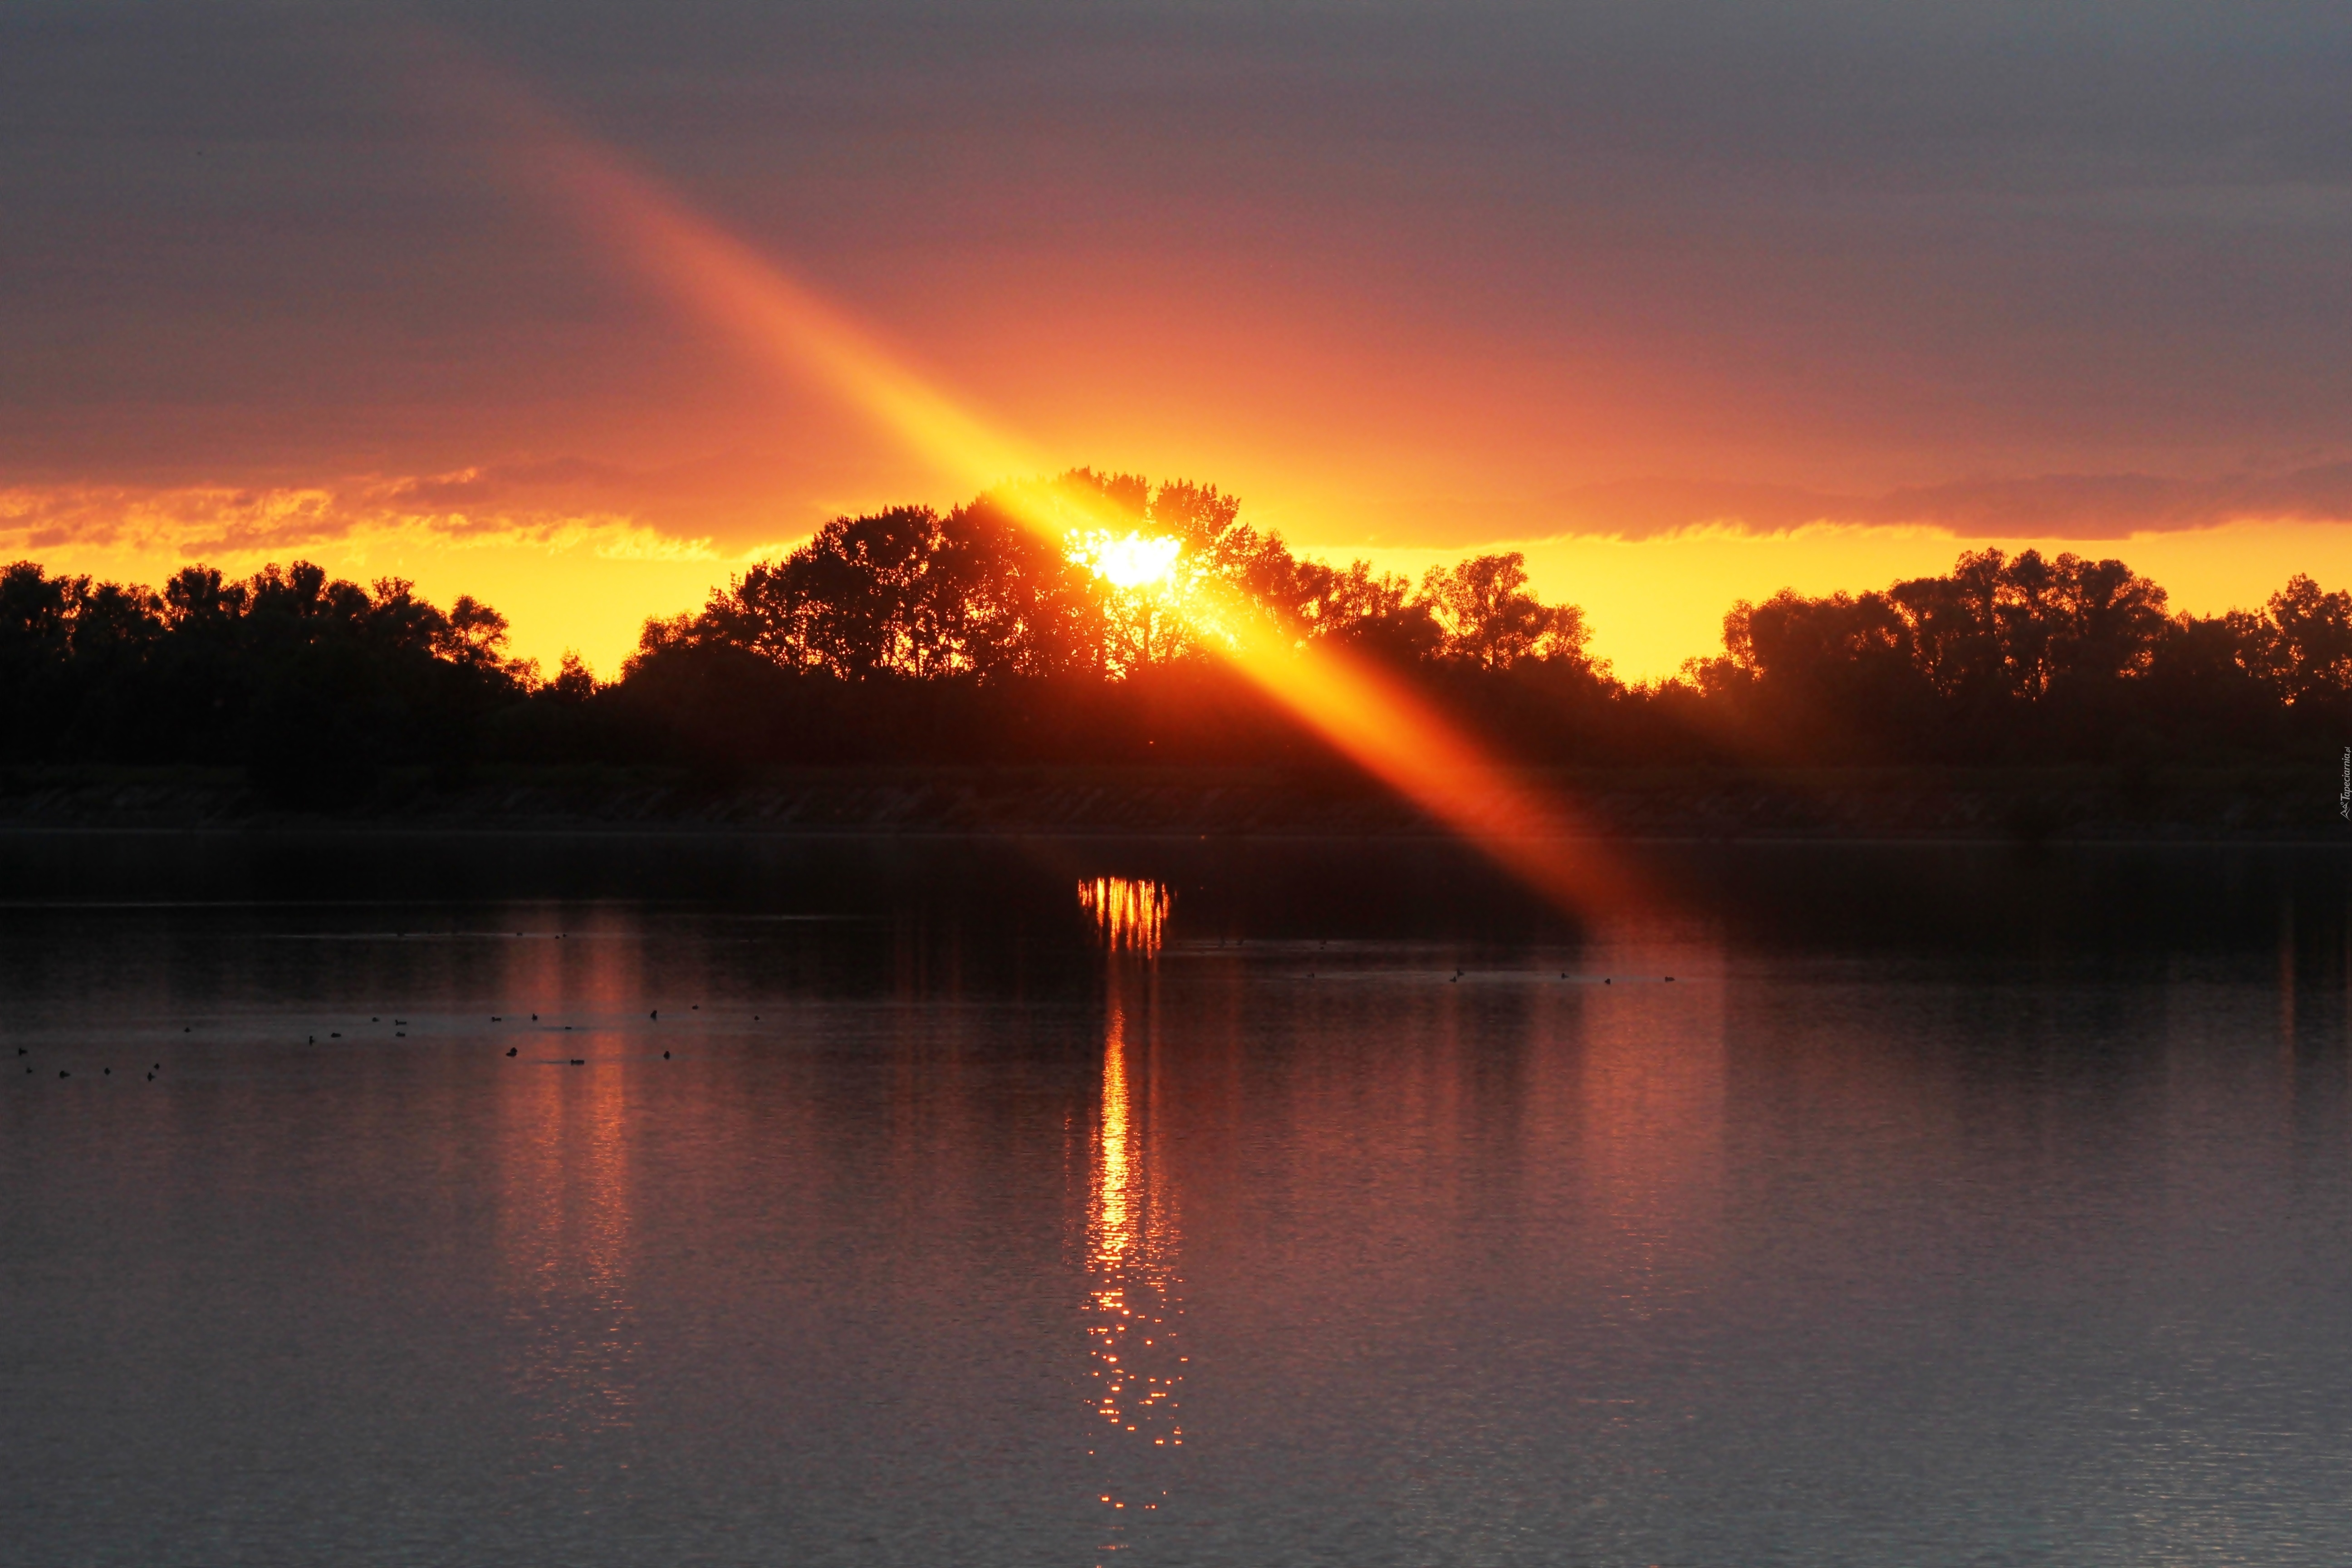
<point x="1688" y="302"/>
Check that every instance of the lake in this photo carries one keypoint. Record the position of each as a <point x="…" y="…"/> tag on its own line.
<point x="609" y="1199"/>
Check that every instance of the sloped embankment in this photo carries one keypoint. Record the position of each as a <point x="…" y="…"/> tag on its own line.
<point x="1985" y="804"/>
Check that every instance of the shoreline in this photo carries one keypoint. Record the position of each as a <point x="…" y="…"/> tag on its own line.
<point x="2252" y="804"/>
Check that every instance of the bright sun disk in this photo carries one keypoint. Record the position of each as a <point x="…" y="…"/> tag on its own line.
<point x="1132" y="562"/>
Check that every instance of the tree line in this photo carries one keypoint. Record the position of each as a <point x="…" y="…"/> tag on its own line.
<point x="970" y="636"/>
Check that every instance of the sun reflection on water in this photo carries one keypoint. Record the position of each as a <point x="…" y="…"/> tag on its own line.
<point x="1135" y="1300"/>
<point x="1131" y="913"/>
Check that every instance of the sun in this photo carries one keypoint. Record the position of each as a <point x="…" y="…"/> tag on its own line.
<point x="1136" y="560"/>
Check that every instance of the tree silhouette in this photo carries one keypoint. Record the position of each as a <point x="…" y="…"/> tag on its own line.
<point x="1488" y="619"/>
<point x="909" y="635"/>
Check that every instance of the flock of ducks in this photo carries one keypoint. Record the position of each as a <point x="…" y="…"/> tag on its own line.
<point x="23" y="1051"/>
<point x="399" y="1032"/>
<point x="400" y="1027"/>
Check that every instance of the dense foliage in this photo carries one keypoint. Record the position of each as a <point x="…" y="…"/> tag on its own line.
<point x="2027" y="658"/>
<point x="312" y="683"/>
<point x="914" y="636"/>
<point x="982" y="595"/>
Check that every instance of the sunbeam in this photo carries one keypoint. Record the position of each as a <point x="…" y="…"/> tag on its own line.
<point x="1367" y="716"/>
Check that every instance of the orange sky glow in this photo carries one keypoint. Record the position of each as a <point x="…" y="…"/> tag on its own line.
<point x="1521" y="283"/>
<point x="587" y="584"/>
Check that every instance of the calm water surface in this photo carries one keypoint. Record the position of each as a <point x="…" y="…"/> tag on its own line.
<point x="1168" y="1205"/>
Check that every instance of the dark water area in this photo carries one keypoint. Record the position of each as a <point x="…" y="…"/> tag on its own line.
<point x="1169" y="1202"/>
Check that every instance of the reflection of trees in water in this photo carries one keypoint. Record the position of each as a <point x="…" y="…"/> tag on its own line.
<point x="1135" y="1300"/>
<point x="565" y="1229"/>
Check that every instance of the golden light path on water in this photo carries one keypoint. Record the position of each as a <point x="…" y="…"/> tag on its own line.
<point x="1367" y="715"/>
<point x="1130" y="914"/>
<point x="1135" y="1288"/>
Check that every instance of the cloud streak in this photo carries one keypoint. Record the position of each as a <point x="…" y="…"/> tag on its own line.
<point x="2054" y="506"/>
<point x="578" y="506"/>
<point x="466" y="509"/>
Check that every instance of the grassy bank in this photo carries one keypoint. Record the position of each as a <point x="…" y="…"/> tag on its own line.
<point x="2268" y="801"/>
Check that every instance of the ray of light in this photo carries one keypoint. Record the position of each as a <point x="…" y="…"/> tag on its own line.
<point x="770" y="313"/>
<point x="1366" y="715"/>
